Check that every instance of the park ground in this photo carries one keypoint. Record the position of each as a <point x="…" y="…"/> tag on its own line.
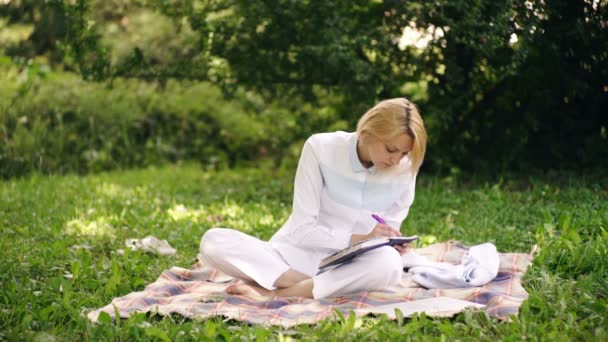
<point x="61" y="236"/>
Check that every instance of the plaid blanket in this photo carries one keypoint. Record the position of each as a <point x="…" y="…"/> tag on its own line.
<point x="198" y="293"/>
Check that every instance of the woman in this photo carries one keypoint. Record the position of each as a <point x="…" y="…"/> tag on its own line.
<point x="341" y="180"/>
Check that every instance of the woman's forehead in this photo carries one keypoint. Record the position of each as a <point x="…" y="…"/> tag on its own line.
<point x="402" y="141"/>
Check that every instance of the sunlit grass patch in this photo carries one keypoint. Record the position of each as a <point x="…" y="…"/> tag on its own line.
<point x="180" y="212"/>
<point x="113" y="190"/>
<point x="99" y="227"/>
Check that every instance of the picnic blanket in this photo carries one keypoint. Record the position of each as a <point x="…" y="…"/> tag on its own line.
<point x="198" y="293"/>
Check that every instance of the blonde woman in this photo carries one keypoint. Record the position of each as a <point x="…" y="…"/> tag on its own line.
<point x="341" y="180"/>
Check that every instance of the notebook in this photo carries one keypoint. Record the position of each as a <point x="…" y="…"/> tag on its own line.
<point x="359" y="248"/>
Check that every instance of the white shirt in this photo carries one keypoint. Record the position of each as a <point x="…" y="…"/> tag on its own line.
<point x="334" y="198"/>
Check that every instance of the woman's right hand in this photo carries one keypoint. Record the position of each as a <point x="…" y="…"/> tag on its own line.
<point x="380" y="230"/>
<point x="383" y="230"/>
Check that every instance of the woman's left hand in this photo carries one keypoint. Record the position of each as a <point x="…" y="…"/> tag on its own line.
<point x="402" y="249"/>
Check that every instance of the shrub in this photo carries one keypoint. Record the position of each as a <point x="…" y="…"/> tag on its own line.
<point x="55" y="122"/>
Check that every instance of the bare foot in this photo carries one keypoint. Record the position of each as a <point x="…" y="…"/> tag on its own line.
<point x="243" y="289"/>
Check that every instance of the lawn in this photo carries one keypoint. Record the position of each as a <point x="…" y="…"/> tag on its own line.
<point x="61" y="236"/>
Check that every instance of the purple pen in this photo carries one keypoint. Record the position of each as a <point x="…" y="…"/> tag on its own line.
<point x="379" y="219"/>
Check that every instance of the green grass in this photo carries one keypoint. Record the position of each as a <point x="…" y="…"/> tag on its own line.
<point x="60" y="236"/>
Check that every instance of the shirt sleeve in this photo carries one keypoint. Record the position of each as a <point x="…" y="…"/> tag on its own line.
<point x="306" y="204"/>
<point x="395" y="215"/>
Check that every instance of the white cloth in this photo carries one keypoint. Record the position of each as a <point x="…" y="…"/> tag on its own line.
<point x="151" y="244"/>
<point x="248" y="258"/>
<point x="477" y="268"/>
<point x="334" y="197"/>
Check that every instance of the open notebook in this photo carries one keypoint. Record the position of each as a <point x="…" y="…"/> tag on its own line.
<point x="352" y="251"/>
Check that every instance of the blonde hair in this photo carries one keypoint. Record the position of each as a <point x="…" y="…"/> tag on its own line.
<point x="390" y="118"/>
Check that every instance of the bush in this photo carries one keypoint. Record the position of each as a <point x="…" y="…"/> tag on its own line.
<point x="55" y="122"/>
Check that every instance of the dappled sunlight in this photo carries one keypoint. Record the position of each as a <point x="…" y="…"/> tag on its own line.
<point x="420" y="37"/>
<point x="426" y="240"/>
<point x="225" y="210"/>
<point x="262" y="216"/>
<point x="235" y="216"/>
<point x="267" y="219"/>
<point x="232" y="210"/>
<point x="247" y="217"/>
<point x="112" y="190"/>
<point x="98" y="227"/>
<point x="179" y="212"/>
<point x="230" y="214"/>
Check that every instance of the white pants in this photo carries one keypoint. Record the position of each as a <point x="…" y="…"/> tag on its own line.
<point x="247" y="258"/>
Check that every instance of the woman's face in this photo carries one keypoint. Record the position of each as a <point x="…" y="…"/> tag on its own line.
<point x="386" y="154"/>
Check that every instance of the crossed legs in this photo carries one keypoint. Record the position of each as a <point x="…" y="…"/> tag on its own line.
<point x="264" y="272"/>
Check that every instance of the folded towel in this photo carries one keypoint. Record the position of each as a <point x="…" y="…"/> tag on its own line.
<point x="477" y="268"/>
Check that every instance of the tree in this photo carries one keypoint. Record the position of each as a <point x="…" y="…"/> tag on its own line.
<point x="538" y="99"/>
<point x="506" y="80"/>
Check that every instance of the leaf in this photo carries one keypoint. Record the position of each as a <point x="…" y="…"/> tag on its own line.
<point x="75" y="269"/>
<point x="158" y="333"/>
<point x="117" y="316"/>
<point x="399" y="316"/>
<point x="210" y="330"/>
<point x="339" y="315"/>
<point x="564" y="221"/>
<point x="104" y="317"/>
<point x="25" y="322"/>
<point x="261" y="334"/>
<point x="352" y="318"/>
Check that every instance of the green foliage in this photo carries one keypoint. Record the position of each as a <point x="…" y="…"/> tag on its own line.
<point x="55" y="122"/>
<point x="500" y="83"/>
<point x="507" y="80"/>
<point x="159" y="39"/>
<point x="279" y="48"/>
<point x="61" y="235"/>
<point x="537" y="101"/>
<point x="39" y="26"/>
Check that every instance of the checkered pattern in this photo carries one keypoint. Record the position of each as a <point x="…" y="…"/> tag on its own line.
<point x="198" y="293"/>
